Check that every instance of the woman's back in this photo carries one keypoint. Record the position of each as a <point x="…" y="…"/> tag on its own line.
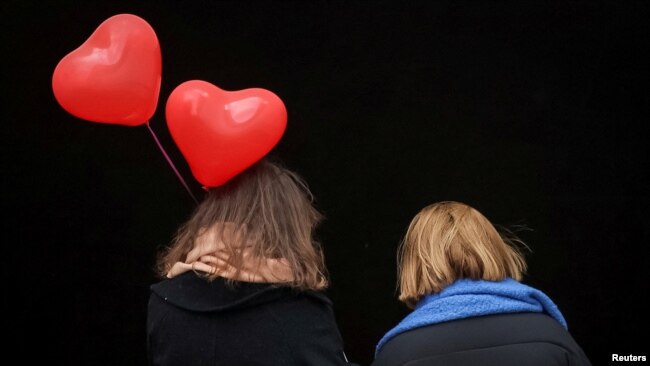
<point x="196" y="322"/>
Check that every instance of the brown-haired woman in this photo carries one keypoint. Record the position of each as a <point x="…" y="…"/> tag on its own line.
<point x="461" y="277"/>
<point x="245" y="280"/>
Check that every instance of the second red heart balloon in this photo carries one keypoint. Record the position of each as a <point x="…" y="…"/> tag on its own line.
<point x="114" y="77"/>
<point x="221" y="133"/>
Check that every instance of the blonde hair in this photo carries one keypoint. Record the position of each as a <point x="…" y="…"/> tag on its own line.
<point x="271" y="210"/>
<point x="448" y="241"/>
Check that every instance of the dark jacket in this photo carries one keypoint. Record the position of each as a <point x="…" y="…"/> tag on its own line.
<point x="530" y="339"/>
<point x="192" y="321"/>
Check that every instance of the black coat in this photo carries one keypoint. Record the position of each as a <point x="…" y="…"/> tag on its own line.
<point x="530" y="339"/>
<point x="192" y="321"/>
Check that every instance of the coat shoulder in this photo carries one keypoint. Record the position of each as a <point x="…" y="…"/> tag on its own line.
<point x="504" y="339"/>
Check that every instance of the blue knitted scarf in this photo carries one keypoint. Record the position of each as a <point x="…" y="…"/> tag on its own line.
<point x="469" y="298"/>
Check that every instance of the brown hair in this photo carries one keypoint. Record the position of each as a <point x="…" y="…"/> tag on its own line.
<point x="273" y="213"/>
<point x="447" y="241"/>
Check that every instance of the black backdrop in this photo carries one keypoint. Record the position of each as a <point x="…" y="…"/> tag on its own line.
<point x="529" y="111"/>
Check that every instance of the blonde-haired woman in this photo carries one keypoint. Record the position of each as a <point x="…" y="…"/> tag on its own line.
<point x="461" y="277"/>
<point x="245" y="280"/>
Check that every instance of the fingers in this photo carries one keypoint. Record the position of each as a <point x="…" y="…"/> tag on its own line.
<point x="210" y="240"/>
<point x="178" y="268"/>
<point x="203" y="267"/>
<point x="213" y="261"/>
<point x="209" y="255"/>
<point x="205" y="243"/>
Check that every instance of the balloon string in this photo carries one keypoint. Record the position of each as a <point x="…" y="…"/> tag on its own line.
<point x="171" y="163"/>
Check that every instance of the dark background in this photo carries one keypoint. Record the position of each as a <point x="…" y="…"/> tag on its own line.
<point x="532" y="112"/>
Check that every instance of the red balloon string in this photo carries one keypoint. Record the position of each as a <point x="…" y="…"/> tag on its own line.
<point x="171" y="163"/>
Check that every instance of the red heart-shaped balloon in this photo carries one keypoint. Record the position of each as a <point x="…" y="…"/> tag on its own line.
<point x="221" y="133"/>
<point x="113" y="77"/>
